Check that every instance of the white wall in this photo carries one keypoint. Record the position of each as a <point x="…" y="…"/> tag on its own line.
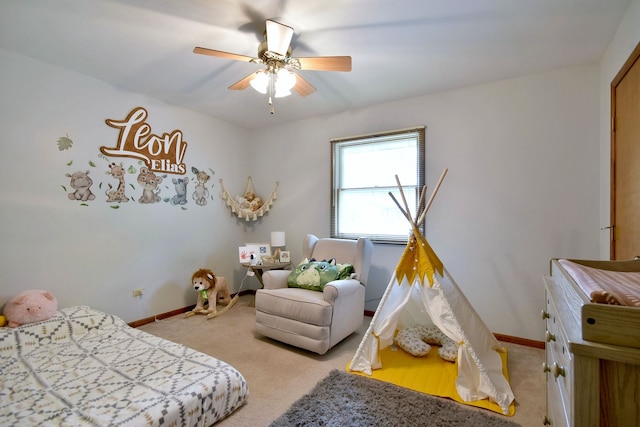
<point x="522" y="184"/>
<point x="95" y="254"/>
<point x="524" y="155"/>
<point x="625" y="40"/>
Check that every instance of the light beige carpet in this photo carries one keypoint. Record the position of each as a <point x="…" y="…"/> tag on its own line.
<point x="278" y="374"/>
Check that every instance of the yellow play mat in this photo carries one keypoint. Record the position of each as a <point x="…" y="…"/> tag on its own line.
<point x="429" y="374"/>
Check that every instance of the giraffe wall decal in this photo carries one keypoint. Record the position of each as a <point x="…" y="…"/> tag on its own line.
<point x="117" y="195"/>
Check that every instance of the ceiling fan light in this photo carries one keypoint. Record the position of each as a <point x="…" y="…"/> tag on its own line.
<point x="282" y="93"/>
<point x="285" y="80"/>
<point x="260" y="82"/>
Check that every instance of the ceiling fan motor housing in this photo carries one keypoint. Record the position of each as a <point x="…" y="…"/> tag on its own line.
<point x="266" y="55"/>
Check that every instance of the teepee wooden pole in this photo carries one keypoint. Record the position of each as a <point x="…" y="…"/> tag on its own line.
<point x="433" y="195"/>
<point x="421" y="202"/>
<point x="399" y="207"/>
<point x="404" y="200"/>
<point x="406" y="215"/>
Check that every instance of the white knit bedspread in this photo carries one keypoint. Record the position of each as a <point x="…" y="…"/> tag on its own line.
<point x="87" y="368"/>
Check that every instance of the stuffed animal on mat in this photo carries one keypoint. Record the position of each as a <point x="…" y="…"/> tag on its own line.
<point x="415" y="340"/>
<point x="30" y="306"/>
<point x="211" y="290"/>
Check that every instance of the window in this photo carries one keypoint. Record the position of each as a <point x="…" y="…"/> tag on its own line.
<point x="364" y="170"/>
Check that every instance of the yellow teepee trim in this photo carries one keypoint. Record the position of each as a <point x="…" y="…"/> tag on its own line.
<point x="418" y="261"/>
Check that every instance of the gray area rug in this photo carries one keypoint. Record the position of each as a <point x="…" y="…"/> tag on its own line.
<point x="344" y="399"/>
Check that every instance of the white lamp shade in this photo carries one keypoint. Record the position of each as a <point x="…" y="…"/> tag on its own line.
<point x="260" y="82"/>
<point x="282" y="94"/>
<point x="285" y="80"/>
<point x="278" y="239"/>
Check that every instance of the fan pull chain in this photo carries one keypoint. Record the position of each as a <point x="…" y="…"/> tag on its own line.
<point x="271" y="90"/>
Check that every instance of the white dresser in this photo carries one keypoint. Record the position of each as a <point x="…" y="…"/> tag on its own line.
<point x="588" y="383"/>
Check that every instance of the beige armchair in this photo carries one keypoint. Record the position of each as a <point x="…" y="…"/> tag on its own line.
<point x="313" y="320"/>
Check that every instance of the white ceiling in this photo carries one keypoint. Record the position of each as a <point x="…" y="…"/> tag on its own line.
<point x="400" y="48"/>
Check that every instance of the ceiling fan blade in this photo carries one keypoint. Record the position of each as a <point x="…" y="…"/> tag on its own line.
<point x="221" y="54"/>
<point x="302" y="86"/>
<point x="278" y="37"/>
<point x="326" y="63"/>
<point x="245" y="82"/>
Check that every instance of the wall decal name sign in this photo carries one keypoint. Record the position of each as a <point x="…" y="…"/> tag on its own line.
<point x="160" y="153"/>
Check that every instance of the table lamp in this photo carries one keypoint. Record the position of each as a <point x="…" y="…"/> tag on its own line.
<point x="278" y="241"/>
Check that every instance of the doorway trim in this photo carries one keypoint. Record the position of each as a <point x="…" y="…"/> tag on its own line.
<point x="614" y="85"/>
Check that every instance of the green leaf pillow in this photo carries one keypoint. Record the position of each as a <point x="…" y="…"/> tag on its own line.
<point x="313" y="275"/>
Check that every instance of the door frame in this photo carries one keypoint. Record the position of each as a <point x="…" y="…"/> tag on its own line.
<point x="635" y="55"/>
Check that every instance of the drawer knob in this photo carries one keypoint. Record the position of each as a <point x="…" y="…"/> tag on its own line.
<point x="558" y="370"/>
<point x="544" y="314"/>
<point x="549" y="336"/>
<point x="545" y="367"/>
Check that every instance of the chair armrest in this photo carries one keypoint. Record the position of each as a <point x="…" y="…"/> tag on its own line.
<point x="340" y="288"/>
<point x="275" y="279"/>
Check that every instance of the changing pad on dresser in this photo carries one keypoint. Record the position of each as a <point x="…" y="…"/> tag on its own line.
<point x="606" y="286"/>
<point x="83" y="367"/>
<point x="607" y="294"/>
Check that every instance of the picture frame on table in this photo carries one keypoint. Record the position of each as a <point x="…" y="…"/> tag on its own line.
<point x="259" y="249"/>
<point x="285" y="256"/>
<point x="244" y="254"/>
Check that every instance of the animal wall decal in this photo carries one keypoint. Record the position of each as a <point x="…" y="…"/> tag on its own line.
<point x="180" y="185"/>
<point x="149" y="182"/>
<point x="149" y="186"/>
<point x="118" y="195"/>
<point x="200" y="194"/>
<point x="81" y="183"/>
<point x="131" y="180"/>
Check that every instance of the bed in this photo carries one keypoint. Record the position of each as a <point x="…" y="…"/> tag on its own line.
<point x="87" y="368"/>
<point x="608" y="294"/>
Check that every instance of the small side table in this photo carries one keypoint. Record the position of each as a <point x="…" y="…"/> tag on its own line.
<point x="259" y="269"/>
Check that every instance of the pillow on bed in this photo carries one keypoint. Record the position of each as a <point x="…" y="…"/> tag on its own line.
<point x="313" y="275"/>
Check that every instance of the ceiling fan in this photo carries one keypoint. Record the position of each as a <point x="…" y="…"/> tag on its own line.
<point x="279" y="76"/>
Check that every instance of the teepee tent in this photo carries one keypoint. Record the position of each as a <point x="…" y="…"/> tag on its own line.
<point x="421" y="291"/>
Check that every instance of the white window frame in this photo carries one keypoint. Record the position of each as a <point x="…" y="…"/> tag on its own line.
<point x="375" y="188"/>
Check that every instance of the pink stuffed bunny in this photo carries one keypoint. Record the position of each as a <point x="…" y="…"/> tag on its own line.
<point x="29" y="307"/>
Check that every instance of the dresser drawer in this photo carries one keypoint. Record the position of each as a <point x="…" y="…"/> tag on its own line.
<point x="556" y="340"/>
<point x="557" y="407"/>
<point x="559" y="364"/>
<point x="557" y="367"/>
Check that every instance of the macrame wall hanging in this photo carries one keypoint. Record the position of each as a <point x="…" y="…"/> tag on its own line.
<point x="249" y="206"/>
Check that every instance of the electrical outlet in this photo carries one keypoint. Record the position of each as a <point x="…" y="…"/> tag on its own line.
<point x="138" y="292"/>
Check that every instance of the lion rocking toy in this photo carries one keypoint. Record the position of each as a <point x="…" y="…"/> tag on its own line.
<point x="211" y="290"/>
